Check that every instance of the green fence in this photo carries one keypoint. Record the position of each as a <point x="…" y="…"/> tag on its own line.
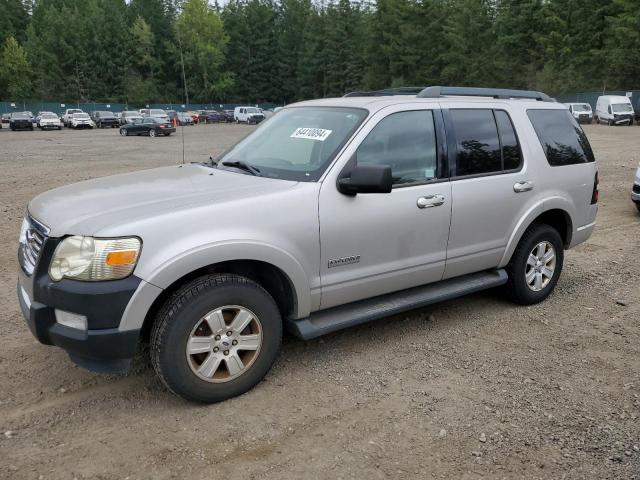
<point x="59" y="107"/>
<point x="592" y="97"/>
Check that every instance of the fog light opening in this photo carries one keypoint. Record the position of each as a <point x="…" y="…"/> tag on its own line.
<point x="71" y="320"/>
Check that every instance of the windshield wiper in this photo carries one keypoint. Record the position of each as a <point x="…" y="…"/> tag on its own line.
<point x="242" y="165"/>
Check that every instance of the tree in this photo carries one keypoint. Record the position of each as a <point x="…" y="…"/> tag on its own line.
<point x="15" y="71"/>
<point x="14" y="20"/>
<point x="203" y="42"/>
<point x="143" y="67"/>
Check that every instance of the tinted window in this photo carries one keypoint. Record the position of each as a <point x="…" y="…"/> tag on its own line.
<point x="407" y="142"/>
<point x="478" y="147"/>
<point x="561" y="137"/>
<point x="511" y="153"/>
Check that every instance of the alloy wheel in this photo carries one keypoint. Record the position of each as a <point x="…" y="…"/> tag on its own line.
<point x="224" y="343"/>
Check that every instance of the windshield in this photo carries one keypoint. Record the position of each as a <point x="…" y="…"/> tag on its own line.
<point x="252" y="110"/>
<point x="157" y="112"/>
<point x="131" y="114"/>
<point x="81" y="116"/>
<point x="621" y="107"/>
<point x="298" y="143"/>
<point x="582" y="107"/>
<point x="49" y="115"/>
<point x="20" y="116"/>
<point x="75" y="111"/>
<point x="106" y="114"/>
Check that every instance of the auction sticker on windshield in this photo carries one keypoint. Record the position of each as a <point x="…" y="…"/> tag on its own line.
<point x="311" y="133"/>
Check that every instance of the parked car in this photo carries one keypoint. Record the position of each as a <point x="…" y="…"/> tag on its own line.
<point x="581" y="112"/>
<point x="147" y="126"/>
<point x="155" y="113"/>
<point x="181" y="118"/>
<point x="81" y="120"/>
<point x="184" y="119"/>
<point x="49" y="121"/>
<point x="39" y="115"/>
<point x="104" y="118"/>
<point x="195" y="116"/>
<point x="635" y="190"/>
<point x="128" y="116"/>
<point x="212" y="116"/>
<point x="614" y="110"/>
<point x="68" y="115"/>
<point x="335" y="213"/>
<point x="228" y="116"/>
<point x="248" y="115"/>
<point x="6" y="117"/>
<point x="20" y="121"/>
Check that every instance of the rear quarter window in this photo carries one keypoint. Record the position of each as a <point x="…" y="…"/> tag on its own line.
<point x="562" y="139"/>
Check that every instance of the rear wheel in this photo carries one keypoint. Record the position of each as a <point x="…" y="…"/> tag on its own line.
<point x="124" y="132"/>
<point x="216" y="338"/>
<point x="536" y="265"/>
<point x="152" y="133"/>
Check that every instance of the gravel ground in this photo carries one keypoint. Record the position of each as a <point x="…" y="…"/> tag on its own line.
<point x="470" y="388"/>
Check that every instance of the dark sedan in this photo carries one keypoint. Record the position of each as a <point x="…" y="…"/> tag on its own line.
<point x="104" y="118"/>
<point x="20" y="121"/>
<point x="147" y="126"/>
<point x="212" y="116"/>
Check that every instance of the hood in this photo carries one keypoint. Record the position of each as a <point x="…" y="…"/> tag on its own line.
<point x="88" y="207"/>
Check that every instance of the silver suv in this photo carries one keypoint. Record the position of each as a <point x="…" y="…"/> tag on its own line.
<point x="333" y="213"/>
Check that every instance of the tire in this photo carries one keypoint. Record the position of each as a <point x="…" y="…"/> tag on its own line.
<point x="638" y="206"/>
<point x="152" y="133"/>
<point x="610" y="123"/>
<point x="180" y="320"/>
<point x="124" y="132"/>
<point x="518" y="287"/>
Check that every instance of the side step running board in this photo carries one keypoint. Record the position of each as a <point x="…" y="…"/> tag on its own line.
<point x="357" y="313"/>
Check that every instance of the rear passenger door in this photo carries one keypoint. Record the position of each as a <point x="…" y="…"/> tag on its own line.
<point x="490" y="186"/>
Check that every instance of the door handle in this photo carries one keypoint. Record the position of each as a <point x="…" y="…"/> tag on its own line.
<point x="523" y="186"/>
<point x="429" y="201"/>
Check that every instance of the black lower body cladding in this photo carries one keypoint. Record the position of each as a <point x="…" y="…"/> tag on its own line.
<point x="101" y="347"/>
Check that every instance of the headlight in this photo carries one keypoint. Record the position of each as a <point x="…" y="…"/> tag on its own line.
<point x="93" y="259"/>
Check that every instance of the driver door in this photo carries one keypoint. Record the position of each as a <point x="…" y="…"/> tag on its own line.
<point x="372" y="244"/>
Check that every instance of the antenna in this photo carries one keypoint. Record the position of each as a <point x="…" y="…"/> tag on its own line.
<point x="186" y="92"/>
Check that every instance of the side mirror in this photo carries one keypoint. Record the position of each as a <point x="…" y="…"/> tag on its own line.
<point x="366" y="179"/>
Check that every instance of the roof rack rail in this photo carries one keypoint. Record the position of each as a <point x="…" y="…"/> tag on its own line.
<point x="386" y="92"/>
<point x="437" y="92"/>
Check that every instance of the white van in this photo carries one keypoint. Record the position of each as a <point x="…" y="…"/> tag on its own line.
<point x="581" y="112"/>
<point x="248" y="115"/>
<point x="614" y="110"/>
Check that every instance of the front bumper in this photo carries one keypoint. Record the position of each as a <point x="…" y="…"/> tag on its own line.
<point x="635" y="193"/>
<point x="50" y="126"/>
<point x="102" y="346"/>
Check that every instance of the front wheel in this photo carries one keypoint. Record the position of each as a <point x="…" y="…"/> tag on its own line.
<point x="124" y="132"/>
<point x="216" y="338"/>
<point x="536" y="265"/>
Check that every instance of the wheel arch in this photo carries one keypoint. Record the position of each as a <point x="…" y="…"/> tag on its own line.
<point x="273" y="279"/>
<point x="555" y="214"/>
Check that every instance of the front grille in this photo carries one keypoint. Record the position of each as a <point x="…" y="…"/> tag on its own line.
<point x="32" y="240"/>
<point x="636" y="188"/>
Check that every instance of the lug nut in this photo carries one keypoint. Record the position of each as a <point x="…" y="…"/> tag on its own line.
<point x="217" y="337"/>
<point x="226" y="352"/>
<point x="235" y="342"/>
<point x="215" y="349"/>
<point x="229" y="333"/>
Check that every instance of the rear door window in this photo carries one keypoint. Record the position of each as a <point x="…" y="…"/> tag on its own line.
<point x="477" y="142"/>
<point x="562" y="139"/>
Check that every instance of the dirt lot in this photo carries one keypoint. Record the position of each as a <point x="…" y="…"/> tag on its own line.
<point x="470" y="388"/>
